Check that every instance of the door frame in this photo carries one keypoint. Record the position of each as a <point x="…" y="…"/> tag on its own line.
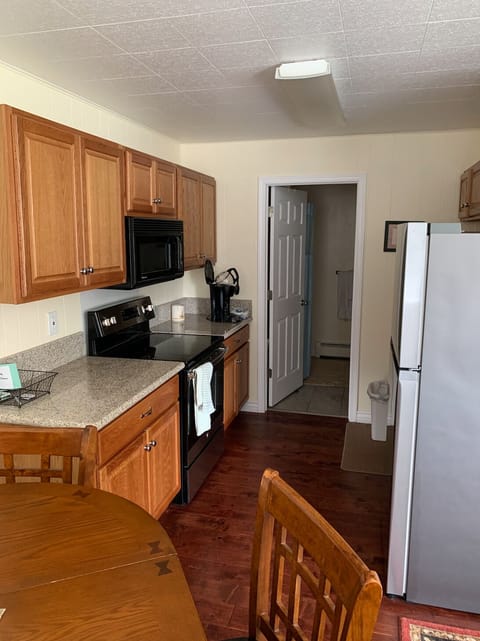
<point x="264" y="182"/>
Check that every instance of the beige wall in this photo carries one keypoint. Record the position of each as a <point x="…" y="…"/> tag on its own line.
<point x="408" y="176"/>
<point x="25" y="326"/>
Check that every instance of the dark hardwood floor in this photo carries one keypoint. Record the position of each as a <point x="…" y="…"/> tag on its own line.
<point x="213" y="534"/>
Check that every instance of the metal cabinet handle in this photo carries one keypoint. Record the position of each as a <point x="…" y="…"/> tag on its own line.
<point x="303" y="302"/>
<point x="464" y="205"/>
<point x="149" y="445"/>
<point x="90" y="269"/>
<point x="147" y="412"/>
<point x="157" y="201"/>
<point x="84" y="271"/>
<point x="238" y="361"/>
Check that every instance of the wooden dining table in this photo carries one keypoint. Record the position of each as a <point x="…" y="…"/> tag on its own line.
<point x="80" y="564"/>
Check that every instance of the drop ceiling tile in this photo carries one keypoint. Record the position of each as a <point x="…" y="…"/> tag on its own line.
<point x="298" y="18"/>
<point x="121" y="66"/>
<point x="242" y="54"/>
<point x="97" y="13"/>
<point x="255" y="76"/>
<point x="448" y="10"/>
<point x="137" y="85"/>
<point x="444" y="78"/>
<point x="144" y="35"/>
<point x="384" y="65"/>
<point x="366" y="42"/>
<point x="24" y="16"/>
<point x="460" y="58"/>
<point x="55" y="45"/>
<point x="201" y="30"/>
<point x="453" y="33"/>
<point x="174" y="60"/>
<point x="383" y="13"/>
<point x="233" y="95"/>
<point x="322" y="45"/>
<point x="191" y="80"/>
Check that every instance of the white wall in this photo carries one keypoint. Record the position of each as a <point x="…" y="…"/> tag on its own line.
<point x="25" y="326"/>
<point x="333" y="250"/>
<point x="409" y="176"/>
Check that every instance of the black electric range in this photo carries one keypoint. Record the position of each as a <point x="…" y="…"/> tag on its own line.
<point x="123" y="331"/>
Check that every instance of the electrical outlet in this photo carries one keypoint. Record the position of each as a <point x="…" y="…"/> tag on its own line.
<point x="52" y="324"/>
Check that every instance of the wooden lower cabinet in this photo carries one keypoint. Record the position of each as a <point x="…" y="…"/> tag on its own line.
<point x="469" y="200"/>
<point x="236" y="378"/>
<point x="139" y="453"/>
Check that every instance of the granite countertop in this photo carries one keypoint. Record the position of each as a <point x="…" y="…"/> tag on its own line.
<point x="200" y="325"/>
<point x="92" y="391"/>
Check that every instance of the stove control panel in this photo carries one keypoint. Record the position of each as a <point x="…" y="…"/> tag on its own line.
<point x="107" y="321"/>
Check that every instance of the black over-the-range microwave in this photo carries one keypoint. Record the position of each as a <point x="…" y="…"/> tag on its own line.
<point x="154" y="251"/>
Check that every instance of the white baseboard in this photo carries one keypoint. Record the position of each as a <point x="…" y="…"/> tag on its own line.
<point x="332" y="350"/>
<point x="250" y="406"/>
<point x="366" y="417"/>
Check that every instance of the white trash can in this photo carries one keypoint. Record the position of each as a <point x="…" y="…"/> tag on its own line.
<point x="379" y="393"/>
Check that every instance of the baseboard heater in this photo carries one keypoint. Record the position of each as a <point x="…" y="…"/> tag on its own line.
<point x="335" y="350"/>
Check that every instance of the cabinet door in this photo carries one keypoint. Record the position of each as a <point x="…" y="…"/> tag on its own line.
<point x="163" y="460"/>
<point x="242" y="366"/>
<point x="140" y="176"/>
<point x="165" y="189"/>
<point x="126" y="473"/>
<point x="50" y="209"/>
<point x="463" y="204"/>
<point x="474" y="208"/>
<point x="189" y="196"/>
<point x="229" y="411"/>
<point x="209" y="247"/>
<point x="102" y="165"/>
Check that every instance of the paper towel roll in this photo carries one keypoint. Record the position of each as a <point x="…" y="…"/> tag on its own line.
<point x="178" y="313"/>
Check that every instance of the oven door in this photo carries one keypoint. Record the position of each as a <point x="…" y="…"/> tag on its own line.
<point x="194" y="444"/>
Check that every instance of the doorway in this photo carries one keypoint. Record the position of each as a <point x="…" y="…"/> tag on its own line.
<point x="358" y="182"/>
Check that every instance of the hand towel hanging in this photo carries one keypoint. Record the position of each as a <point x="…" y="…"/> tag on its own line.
<point x="203" y="403"/>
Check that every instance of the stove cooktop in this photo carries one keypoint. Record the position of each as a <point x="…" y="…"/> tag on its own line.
<point x="164" y="347"/>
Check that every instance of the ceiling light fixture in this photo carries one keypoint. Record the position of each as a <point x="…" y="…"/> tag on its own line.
<point x="300" y="70"/>
<point x="311" y="98"/>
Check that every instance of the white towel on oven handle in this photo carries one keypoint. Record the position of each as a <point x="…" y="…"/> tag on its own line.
<point x="203" y="403"/>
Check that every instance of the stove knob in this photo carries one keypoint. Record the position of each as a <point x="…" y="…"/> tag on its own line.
<point x="113" y="320"/>
<point x="147" y="308"/>
<point x="106" y="322"/>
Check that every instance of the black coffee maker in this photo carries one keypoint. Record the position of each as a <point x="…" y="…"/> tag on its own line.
<point x="222" y="288"/>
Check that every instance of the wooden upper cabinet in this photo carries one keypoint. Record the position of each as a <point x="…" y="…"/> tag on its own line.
<point x="209" y="209"/>
<point x="61" y="209"/>
<point x="197" y="209"/>
<point x="469" y="201"/>
<point x="151" y="185"/>
<point x="49" y="207"/>
<point x="103" y="180"/>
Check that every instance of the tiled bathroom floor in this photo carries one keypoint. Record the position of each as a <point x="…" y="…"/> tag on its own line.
<point x="328" y="396"/>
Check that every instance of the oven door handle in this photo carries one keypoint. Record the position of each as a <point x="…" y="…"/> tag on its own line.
<point x="221" y="354"/>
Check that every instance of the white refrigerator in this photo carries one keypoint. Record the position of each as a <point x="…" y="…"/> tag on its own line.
<point x="434" y="547"/>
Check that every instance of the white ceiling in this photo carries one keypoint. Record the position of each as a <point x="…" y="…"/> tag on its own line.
<point x="202" y="70"/>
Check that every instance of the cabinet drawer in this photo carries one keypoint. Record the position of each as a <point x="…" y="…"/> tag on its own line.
<point x="232" y="343"/>
<point x="126" y="427"/>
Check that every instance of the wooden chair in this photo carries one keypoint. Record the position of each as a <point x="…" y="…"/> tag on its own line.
<point x="48" y="454"/>
<point x="306" y="581"/>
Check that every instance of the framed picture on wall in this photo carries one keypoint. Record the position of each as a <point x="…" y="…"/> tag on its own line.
<point x="390" y="238"/>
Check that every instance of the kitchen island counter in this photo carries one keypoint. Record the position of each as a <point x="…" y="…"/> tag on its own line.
<point x="92" y="391"/>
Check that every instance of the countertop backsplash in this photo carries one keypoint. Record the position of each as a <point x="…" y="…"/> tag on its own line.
<point x="200" y="306"/>
<point x="51" y="355"/>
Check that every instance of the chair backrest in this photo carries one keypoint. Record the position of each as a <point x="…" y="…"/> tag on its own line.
<point x="306" y="581"/>
<point x="56" y="454"/>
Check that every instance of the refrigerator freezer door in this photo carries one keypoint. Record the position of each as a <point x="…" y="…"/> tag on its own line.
<point x="405" y="431"/>
<point x="409" y="294"/>
<point x="444" y="562"/>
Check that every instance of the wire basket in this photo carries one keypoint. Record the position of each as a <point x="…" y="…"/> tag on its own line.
<point x="34" y="385"/>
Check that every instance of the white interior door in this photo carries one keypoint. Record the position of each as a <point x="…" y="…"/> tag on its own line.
<point x="286" y="282"/>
